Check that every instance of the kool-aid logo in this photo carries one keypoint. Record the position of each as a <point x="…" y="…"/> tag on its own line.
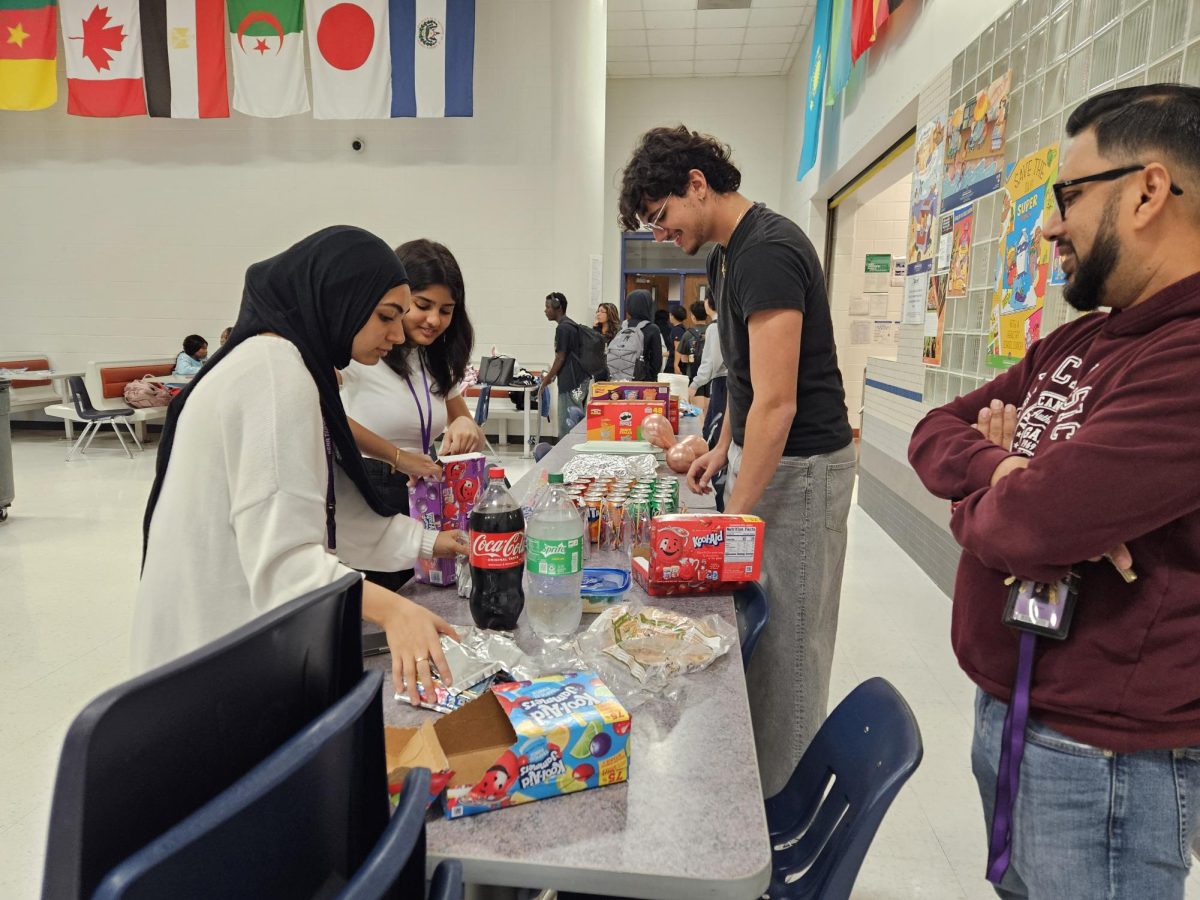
<point x="716" y="539"/>
<point x="556" y="706"/>
<point x="544" y="772"/>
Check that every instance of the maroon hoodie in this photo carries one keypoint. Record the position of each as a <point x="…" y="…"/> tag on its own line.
<point x="1110" y="414"/>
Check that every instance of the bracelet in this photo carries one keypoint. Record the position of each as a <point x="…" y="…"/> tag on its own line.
<point x="396" y="461"/>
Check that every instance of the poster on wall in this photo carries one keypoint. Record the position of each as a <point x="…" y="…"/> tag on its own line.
<point x="975" y="145"/>
<point x="1023" y="258"/>
<point x="878" y="269"/>
<point x="899" y="268"/>
<point x="935" y="321"/>
<point x="923" y="204"/>
<point x="960" y="252"/>
<point x="945" y="233"/>
<point x="885" y="332"/>
<point x="915" y="288"/>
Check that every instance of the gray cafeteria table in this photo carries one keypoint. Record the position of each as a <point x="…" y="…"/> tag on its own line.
<point x="689" y="823"/>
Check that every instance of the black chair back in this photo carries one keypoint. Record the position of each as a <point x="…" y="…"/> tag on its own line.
<point x="80" y="397"/>
<point x="149" y="752"/>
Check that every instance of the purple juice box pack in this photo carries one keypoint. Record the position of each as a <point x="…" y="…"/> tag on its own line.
<point x="444" y="506"/>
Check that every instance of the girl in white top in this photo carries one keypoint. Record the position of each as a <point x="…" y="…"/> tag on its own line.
<point x="258" y="479"/>
<point x="398" y="408"/>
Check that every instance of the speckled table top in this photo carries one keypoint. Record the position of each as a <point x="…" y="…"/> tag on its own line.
<point x="689" y="822"/>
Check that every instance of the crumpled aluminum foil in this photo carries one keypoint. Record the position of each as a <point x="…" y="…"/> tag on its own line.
<point x="477" y="660"/>
<point x="602" y="465"/>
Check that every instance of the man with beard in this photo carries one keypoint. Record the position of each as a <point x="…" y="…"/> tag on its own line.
<point x="786" y="436"/>
<point x="1083" y="459"/>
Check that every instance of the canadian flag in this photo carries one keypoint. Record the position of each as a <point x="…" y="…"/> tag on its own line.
<point x="102" y="45"/>
<point x="348" y="47"/>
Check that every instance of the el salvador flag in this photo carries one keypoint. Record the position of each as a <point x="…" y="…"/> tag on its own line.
<point x="433" y="57"/>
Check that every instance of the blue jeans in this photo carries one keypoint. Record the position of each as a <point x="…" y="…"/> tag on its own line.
<point x="1091" y="823"/>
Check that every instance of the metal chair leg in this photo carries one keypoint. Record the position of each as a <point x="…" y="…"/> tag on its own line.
<point x="83" y="436"/>
<point x="133" y="434"/>
<point x="92" y="436"/>
<point x="121" y="438"/>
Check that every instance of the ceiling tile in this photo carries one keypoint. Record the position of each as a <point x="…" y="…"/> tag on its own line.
<point x="772" y="18"/>
<point x="628" y="69"/>
<point x="770" y="35"/>
<point x="720" y="35"/>
<point x="722" y="18"/>
<point x="625" y="54"/>
<point x="670" y="19"/>
<point x="622" y="19"/>
<point x="719" y="51"/>
<point x="760" y="66"/>
<point x="668" y="4"/>
<point x="667" y="37"/>
<point x="671" y="68"/>
<point x="632" y="37"/>
<point x="766" y="51"/>
<point x="667" y="54"/>
<point x="716" y="67"/>
<point x="623" y="5"/>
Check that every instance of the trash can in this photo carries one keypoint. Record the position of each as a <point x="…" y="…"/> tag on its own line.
<point x="6" y="467"/>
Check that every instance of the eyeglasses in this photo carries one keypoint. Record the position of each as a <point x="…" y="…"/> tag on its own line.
<point x="653" y="225"/>
<point x="1110" y="175"/>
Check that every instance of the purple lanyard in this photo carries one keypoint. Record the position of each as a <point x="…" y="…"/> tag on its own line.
<point x="1012" y="749"/>
<point x="330" y="499"/>
<point x="426" y="425"/>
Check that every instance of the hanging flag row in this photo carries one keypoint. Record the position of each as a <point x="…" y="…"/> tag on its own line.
<point x="370" y="59"/>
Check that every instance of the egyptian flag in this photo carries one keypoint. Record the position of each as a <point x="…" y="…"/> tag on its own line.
<point x="183" y="50"/>
<point x="351" y="62"/>
<point x="267" y="42"/>
<point x="103" y="47"/>
<point x="433" y="57"/>
<point x="28" y="54"/>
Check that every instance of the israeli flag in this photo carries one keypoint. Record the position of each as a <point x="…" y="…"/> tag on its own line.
<point x="433" y="57"/>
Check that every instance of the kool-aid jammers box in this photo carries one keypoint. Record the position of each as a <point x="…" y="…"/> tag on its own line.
<point x="568" y="733"/>
<point x="700" y="553"/>
<point x="445" y="505"/>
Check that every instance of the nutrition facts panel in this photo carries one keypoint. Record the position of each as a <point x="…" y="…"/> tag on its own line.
<point x="739" y="544"/>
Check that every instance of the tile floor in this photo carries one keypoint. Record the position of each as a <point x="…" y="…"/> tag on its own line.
<point x="68" y="567"/>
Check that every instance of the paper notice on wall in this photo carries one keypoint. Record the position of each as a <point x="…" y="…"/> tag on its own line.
<point x="859" y="306"/>
<point x="899" y="270"/>
<point x="877" y="305"/>
<point x="945" y="242"/>
<point x="885" y="332"/>
<point x="878" y="271"/>
<point x="860" y="331"/>
<point x="915" y="289"/>
<point x="596" y="279"/>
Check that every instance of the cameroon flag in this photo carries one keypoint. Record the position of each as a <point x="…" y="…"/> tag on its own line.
<point x="28" y="71"/>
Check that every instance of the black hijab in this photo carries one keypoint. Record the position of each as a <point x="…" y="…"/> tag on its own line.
<point x="639" y="307"/>
<point x="318" y="294"/>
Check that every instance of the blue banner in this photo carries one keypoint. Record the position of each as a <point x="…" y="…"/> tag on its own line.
<point x="816" y="83"/>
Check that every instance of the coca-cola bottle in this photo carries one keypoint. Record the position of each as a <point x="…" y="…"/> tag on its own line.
<point x="497" y="556"/>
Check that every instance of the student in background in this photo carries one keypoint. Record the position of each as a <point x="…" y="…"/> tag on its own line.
<point x="567" y="369"/>
<point x="674" y="336"/>
<point x="225" y="336"/>
<point x="608" y="321"/>
<point x="195" y="352"/>
<point x="396" y="410"/>
<point x="691" y="345"/>
<point x="260" y="494"/>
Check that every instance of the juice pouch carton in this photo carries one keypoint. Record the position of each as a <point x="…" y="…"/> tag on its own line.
<point x="445" y="506"/>
<point x="620" y="420"/>
<point x="698" y="553"/>
<point x="568" y="733"/>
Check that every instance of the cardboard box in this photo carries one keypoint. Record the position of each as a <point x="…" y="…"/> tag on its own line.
<point x="445" y="506"/>
<point x="620" y="420"/>
<point x="518" y="743"/>
<point x="639" y="390"/>
<point x="695" y="553"/>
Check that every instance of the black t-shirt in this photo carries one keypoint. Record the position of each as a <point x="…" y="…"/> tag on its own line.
<point x="771" y="264"/>
<point x="566" y="340"/>
<point x="676" y="335"/>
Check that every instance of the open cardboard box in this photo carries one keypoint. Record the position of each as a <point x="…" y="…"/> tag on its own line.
<point x="518" y="743"/>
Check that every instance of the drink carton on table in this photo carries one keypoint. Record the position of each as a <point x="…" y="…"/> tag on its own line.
<point x="445" y="505"/>
<point x="699" y="553"/>
<point x="520" y="742"/>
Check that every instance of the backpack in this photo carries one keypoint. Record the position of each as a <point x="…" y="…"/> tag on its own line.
<point x="141" y="394"/>
<point x="592" y="352"/>
<point x="626" y="354"/>
<point x="692" y="344"/>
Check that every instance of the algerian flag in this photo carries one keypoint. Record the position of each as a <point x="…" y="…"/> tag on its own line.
<point x="267" y="45"/>
<point x="433" y="57"/>
<point x="351" y="64"/>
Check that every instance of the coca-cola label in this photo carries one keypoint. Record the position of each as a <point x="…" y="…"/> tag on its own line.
<point x="497" y="550"/>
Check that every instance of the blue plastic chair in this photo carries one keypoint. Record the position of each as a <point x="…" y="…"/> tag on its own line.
<point x="311" y="820"/>
<point x="144" y="755"/>
<point x="540" y="451"/>
<point x="96" y="418"/>
<point x="753" y="613"/>
<point x="447" y="883"/>
<point x="868" y="748"/>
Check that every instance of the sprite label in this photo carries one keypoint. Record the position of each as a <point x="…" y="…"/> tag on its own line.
<point x="562" y="556"/>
